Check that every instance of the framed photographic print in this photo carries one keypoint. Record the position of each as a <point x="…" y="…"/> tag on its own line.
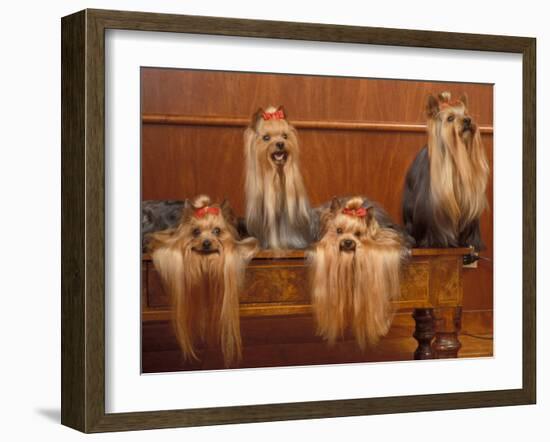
<point x="269" y="221"/>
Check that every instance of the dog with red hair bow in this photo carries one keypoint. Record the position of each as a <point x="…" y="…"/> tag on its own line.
<point x="277" y="207"/>
<point x="202" y="263"/>
<point x="444" y="194"/>
<point x="355" y="269"/>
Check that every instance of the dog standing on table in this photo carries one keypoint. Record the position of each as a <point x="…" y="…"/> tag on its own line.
<point x="444" y="194"/>
<point x="355" y="269"/>
<point x="201" y="263"/>
<point x="277" y="207"/>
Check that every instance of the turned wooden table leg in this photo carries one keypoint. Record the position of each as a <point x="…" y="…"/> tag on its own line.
<point x="448" y="322"/>
<point x="424" y="332"/>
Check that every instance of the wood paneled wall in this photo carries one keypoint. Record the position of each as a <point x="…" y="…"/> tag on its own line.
<point x="351" y="147"/>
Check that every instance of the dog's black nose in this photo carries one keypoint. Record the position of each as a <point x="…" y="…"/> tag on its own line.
<point x="347" y="244"/>
<point x="206" y="244"/>
<point x="280" y="145"/>
<point x="467" y="121"/>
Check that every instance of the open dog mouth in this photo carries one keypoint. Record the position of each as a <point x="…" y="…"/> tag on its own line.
<point x="279" y="157"/>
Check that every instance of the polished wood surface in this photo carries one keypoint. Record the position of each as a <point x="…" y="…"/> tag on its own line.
<point x="291" y="254"/>
<point x="292" y="340"/>
<point x="448" y="322"/>
<point x="424" y="332"/>
<point x="305" y="97"/>
<point x="276" y="289"/>
<point x="277" y="285"/>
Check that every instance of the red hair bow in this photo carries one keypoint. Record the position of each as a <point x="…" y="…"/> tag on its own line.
<point x="203" y="211"/>
<point x="360" y="213"/>
<point x="277" y="115"/>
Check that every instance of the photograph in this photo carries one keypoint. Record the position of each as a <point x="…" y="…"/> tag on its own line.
<point x="295" y="220"/>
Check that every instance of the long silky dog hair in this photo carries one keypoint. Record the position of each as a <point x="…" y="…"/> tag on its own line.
<point x="355" y="270"/>
<point x="444" y="193"/>
<point x="201" y="263"/>
<point x="277" y="208"/>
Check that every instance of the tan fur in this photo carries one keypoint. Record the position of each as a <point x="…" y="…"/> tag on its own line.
<point x="204" y="288"/>
<point x="354" y="289"/>
<point x="458" y="165"/>
<point x="277" y="208"/>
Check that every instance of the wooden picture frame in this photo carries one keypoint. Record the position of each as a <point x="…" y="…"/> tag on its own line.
<point x="83" y="220"/>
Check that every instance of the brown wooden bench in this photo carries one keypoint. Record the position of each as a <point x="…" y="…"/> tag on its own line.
<point x="277" y="289"/>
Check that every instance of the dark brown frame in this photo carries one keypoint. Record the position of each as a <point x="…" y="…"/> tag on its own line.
<point x="83" y="216"/>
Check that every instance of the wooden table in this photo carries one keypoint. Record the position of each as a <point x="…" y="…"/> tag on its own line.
<point x="276" y="286"/>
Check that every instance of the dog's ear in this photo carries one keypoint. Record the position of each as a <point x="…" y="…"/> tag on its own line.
<point x="432" y="107"/>
<point x="256" y="117"/>
<point x="370" y="215"/>
<point x="335" y="205"/>
<point x="464" y="100"/>
<point x="371" y="221"/>
<point x="227" y="212"/>
<point x="157" y="240"/>
<point x="248" y="248"/>
<point x="325" y="218"/>
<point x="187" y="211"/>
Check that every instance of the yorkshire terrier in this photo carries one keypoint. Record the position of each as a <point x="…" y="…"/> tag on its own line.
<point x="444" y="194"/>
<point x="277" y="208"/>
<point x="355" y="269"/>
<point x="201" y="263"/>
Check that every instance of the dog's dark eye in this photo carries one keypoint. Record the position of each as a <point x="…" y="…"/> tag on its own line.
<point x="450" y="118"/>
<point x="339" y="231"/>
<point x="357" y="234"/>
<point x="285" y="136"/>
<point x="216" y="231"/>
<point x="266" y="137"/>
<point x="196" y="231"/>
